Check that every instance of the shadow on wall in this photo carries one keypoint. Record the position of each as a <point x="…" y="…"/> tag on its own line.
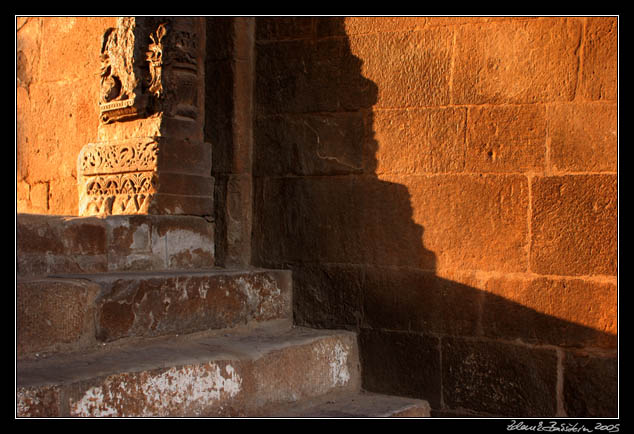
<point x="359" y="261"/>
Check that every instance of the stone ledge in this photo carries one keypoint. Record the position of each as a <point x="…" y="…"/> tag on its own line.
<point x="138" y="304"/>
<point x="63" y="244"/>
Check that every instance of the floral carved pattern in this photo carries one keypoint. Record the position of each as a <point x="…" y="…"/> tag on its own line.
<point x="155" y="59"/>
<point x="123" y="193"/>
<point x="117" y="178"/>
<point x="118" y="157"/>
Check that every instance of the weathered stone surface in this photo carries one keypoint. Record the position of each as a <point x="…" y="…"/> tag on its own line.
<point x="444" y="221"/>
<point x="391" y="253"/>
<point x="123" y="93"/>
<point x="401" y="363"/>
<point x="315" y="144"/>
<point x="506" y="139"/>
<point x="38" y="402"/>
<point x="306" y="237"/>
<point x="154" y="243"/>
<point x="330" y="363"/>
<point x="599" y="69"/>
<point x="299" y="76"/>
<point x="574" y="225"/>
<point x="234" y="221"/>
<point x="186" y="241"/>
<point x="469" y="222"/>
<point x="54" y="315"/>
<point x="179" y="204"/>
<point x="48" y="244"/>
<point x="364" y="25"/>
<point x="591" y="385"/>
<point x="499" y="379"/>
<point x="328" y="295"/>
<point x="186" y="184"/>
<point x="417" y="141"/>
<point x="45" y="154"/>
<point x="462" y="20"/>
<point x="356" y="405"/>
<point x="218" y="127"/>
<point x="409" y="69"/>
<point x="57" y="244"/>
<point x="70" y="36"/>
<point x="219" y="38"/>
<point x="281" y="28"/>
<point x="135" y="155"/>
<point x="135" y="304"/>
<point x="283" y="83"/>
<point x="337" y="220"/>
<point x="229" y="126"/>
<point x="510" y="62"/>
<point x="563" y="312"/>
<point x="35" y="234"/>
<point x="421" y="301"/>
<point x="583" y="137"/>
<point x="207" y="375"/>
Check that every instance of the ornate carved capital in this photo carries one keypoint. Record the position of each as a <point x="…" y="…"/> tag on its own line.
<point x="117" y="178"/>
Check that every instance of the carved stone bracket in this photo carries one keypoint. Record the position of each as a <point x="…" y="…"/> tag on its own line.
<point x="150" y="65"/>
<point x="131" y="64"/>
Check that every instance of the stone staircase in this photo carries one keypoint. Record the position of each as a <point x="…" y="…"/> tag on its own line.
<point x="127" y="316"/>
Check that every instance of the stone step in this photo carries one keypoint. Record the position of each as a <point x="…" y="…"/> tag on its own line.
<point x="247" y="373"/>
<point x="356" y="404"/>
<point x="48" y="244"/>
<point x="69" y="312"/>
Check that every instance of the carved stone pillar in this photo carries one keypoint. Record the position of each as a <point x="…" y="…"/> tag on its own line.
<point x="150" y="157"/>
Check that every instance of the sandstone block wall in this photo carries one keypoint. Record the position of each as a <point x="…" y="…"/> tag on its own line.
<point x="447" y="186"/>
<point x="57" y="68"/>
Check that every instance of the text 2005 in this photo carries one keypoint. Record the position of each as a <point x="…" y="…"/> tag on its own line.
<point x="607" y="428"/>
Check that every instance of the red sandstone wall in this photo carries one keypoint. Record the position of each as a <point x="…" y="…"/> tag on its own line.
<point x="57" y="68"/>
<point x="448" y="187"/>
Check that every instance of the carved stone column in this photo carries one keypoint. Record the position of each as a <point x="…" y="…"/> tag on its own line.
<point x="150" y="157"/>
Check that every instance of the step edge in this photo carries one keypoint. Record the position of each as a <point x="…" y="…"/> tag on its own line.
<point x="333" y="405"/>
<point x="252" y="383"/>
<point x="235" y="350"/>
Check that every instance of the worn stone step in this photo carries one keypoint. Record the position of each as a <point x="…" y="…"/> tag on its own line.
<point x="48" y="244"/>
<point x="356" y="404"/>
<point x="54" y="315"/>
<point x="205" y="374"/>
<point x="66" y="312"/>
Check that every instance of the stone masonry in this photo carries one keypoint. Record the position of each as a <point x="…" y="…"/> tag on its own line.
<point x="121" y="310"/>
<point x="328" y="216"/>
<point x="448" y="187"/>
